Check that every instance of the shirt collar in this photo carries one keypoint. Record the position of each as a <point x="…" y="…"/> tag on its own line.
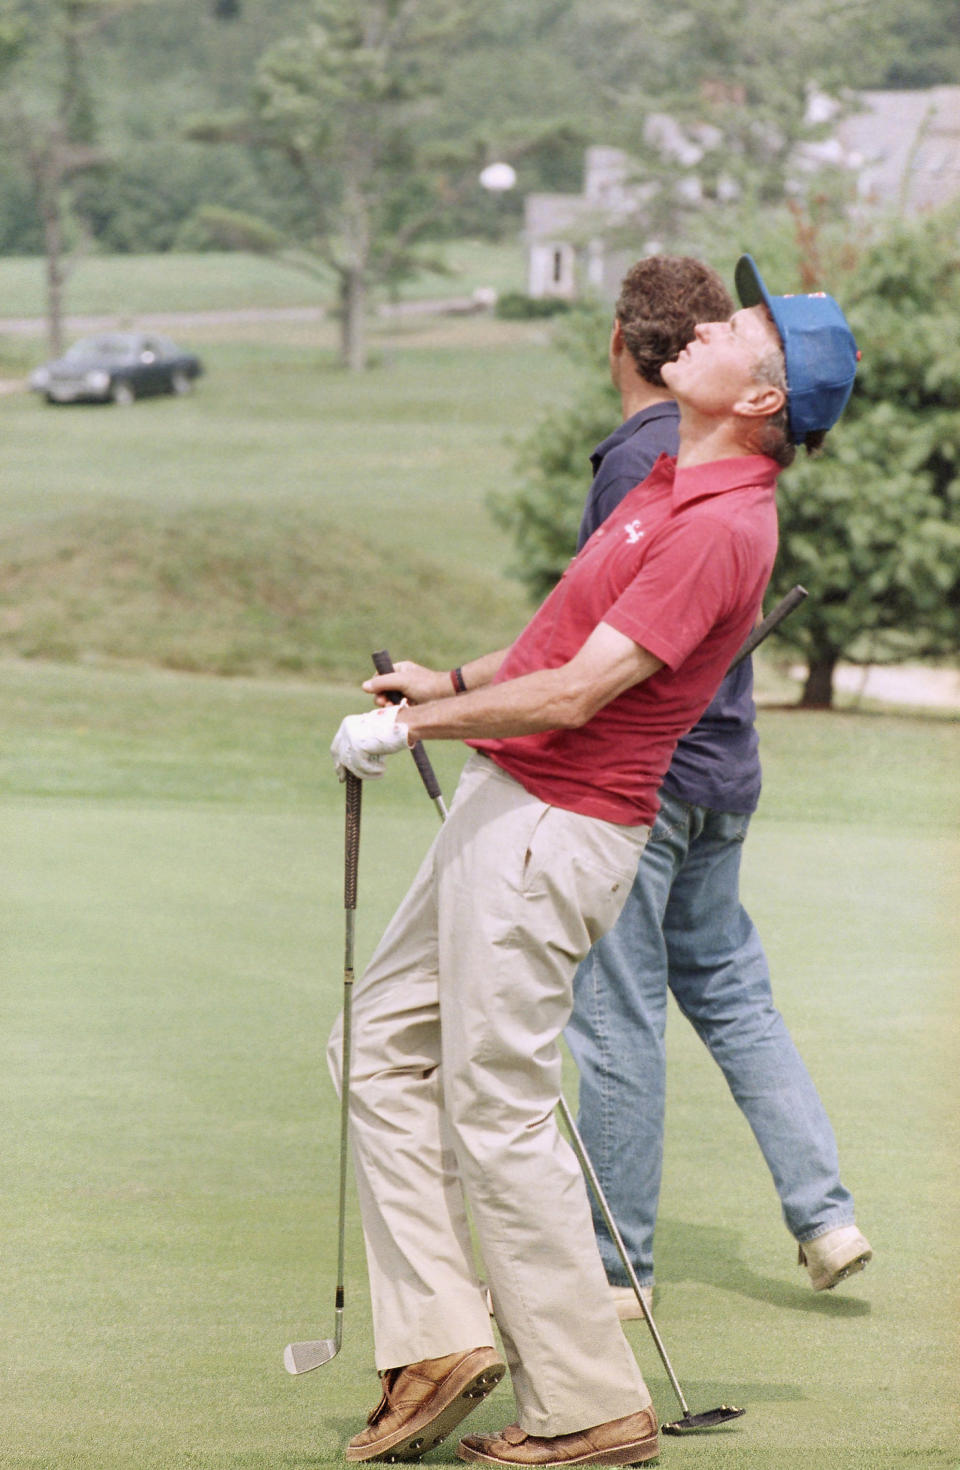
<point x="666" y="409"/>
<point x="748" y="471"/>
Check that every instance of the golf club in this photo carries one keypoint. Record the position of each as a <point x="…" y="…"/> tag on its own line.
<point x="712" y="1417"/>
<point x="303" y="1357"/>
<point x="773" y="619"/>
<point x="383" y="664"/>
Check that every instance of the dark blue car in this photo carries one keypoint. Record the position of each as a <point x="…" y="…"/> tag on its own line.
<point x="117" y="367"/>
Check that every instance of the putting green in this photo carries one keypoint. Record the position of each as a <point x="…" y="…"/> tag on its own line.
<point x="171" y="940"/>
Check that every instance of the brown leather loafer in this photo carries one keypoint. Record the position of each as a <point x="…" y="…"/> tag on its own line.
<point x="627" y="1441"/>
<point x="423" y="1402"/>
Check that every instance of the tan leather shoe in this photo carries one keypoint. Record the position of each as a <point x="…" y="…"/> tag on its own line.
<point x="423" y="1402"/>
<point x="627" y="1441"/>
<point x="833" y="1256"/>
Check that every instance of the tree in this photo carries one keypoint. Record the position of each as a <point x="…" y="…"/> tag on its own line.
<point x="543" y="514"/>
<point x="344" y="105"/>
<point x="710" y="103"/>
<point x="872" y="526"/>
<point x="47" y="119"/>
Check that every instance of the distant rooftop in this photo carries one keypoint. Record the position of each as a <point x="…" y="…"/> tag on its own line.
<point x="905" y="147"/>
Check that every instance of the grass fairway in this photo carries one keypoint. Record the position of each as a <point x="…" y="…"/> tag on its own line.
<point x="127" y="285"/>
<point x="172" y="936"/>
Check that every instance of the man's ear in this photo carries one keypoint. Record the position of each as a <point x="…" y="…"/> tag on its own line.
<point x="760" y="401"/>
<point x="617" y="344"/>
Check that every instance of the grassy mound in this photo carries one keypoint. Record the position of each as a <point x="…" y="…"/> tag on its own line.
<point x="237" y="590"/>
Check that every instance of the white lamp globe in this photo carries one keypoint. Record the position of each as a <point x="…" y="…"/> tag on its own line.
<point x="498" y="177"/>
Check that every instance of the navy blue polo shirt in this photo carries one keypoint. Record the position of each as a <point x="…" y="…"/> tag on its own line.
<point x="716" y="765"/>
<point x="625" y="458"/>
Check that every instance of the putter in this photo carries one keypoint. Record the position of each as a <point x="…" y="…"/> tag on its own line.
<point x="303" y="1357"/>
<point x="712" y="1417"/>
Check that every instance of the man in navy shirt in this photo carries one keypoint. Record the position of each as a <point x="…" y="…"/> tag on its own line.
<point x="683" y="928"/>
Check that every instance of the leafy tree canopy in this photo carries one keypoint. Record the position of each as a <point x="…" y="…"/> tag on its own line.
<point x="872" y="529"/>
<point x="536" y="81"/>
<point x="872" y="526"/>
<point x="344" y="103"/>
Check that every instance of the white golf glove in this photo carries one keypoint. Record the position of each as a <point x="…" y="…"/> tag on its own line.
<point x="363" y="740"/>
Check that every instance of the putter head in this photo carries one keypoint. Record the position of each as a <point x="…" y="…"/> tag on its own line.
<point x="692" y="1422"/>
<point x="303" y="1357"/>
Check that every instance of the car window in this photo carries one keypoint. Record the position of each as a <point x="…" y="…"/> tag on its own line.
<point x="106" y="349"/>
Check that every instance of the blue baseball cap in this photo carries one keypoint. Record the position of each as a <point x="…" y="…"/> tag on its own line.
<point x="818" y="347"/>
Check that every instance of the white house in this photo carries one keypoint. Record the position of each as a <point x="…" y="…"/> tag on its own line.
<point x="566" y="249"/>
<point x="903" y="147"/>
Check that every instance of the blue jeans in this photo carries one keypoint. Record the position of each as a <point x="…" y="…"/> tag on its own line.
<point x="684" y="928"/>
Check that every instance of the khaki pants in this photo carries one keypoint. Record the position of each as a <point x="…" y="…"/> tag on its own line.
<point x="455" y="1075"/>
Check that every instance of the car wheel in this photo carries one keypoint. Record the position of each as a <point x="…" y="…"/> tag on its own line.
<point x="181" y="383"/>
<point x="122" y="394"/>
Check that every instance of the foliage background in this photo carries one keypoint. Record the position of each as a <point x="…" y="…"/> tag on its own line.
<point x="538" y="81"/>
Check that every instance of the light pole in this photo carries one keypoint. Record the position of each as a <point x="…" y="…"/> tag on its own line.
<point x="498" y="179"/>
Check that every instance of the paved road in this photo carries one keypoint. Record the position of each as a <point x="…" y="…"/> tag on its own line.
<point x="36" y="326"/>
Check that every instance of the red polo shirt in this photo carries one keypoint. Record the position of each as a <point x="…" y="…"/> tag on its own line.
<point x="680" y="567"/>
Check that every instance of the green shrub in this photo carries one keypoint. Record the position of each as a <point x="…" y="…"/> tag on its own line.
<point x="514" y="306"/>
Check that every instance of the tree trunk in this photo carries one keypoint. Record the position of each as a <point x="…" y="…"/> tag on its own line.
<point x="53" y="252"/>
<point x="353" y="311"/>
<point x="818" y="690"/>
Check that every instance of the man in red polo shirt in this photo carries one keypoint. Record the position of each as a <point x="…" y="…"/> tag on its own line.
<point x="455" y="1068"/>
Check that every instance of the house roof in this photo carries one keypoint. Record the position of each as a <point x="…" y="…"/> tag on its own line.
<point x="905" y="147"/>
<point x="553" y="216"/>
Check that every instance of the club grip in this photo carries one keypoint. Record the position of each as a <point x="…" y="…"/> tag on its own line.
<point x="383" y="664"/>
<point x="351" y="847"/>
<point x="773" y="620"/>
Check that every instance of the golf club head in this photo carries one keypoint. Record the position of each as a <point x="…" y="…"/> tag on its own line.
<point x="692" y="1422"/>
<point x="303" y="1357"/>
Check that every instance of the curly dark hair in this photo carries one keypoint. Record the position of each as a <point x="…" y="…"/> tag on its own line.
<point x="662" y="298"/>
